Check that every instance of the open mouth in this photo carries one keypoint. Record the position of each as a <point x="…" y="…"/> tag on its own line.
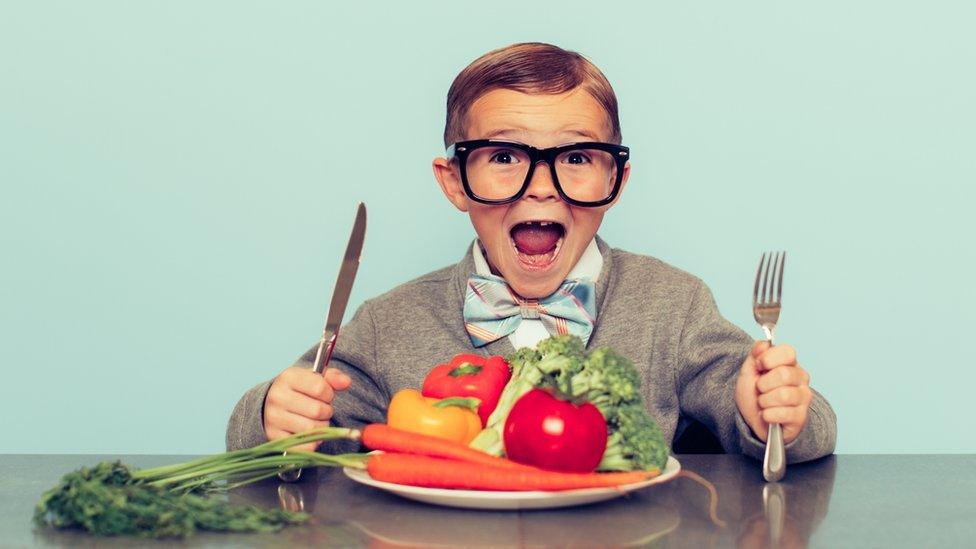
<point x="537" y="243"/>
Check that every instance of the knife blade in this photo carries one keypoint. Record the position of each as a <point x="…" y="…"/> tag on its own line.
<point x="340" y="294"/>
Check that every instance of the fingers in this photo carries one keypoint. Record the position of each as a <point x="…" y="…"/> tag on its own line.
<point x="785" y="396"/>
<point x="307" y="406"/>
<point x="781" y="377"/>
<point x="299" y="400"/>
<point x="280" y="419"/>
<point x="780" y="394"/>
<point x="786" y="415"/>
<point x="759" y="347"/>
<point x="308" y="383"/>
<point x="338" y="380"/>
<point x="318" y="386"/>
<point x="773" y="357"/>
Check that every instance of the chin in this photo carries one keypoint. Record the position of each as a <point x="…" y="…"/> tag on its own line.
<point x="535" y="289"/>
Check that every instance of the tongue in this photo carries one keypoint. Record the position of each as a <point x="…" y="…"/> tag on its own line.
<point x="534" y="239"/>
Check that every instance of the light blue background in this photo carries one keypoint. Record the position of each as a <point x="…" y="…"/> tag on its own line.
<point x="179" y="178"/>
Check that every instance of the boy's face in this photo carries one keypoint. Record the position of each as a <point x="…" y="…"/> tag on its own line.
<point x="508" y="231"/>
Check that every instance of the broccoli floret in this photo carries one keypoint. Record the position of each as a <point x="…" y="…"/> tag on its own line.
<point x="562" y="359"/>
<point x="565" y="345"/>
<point x="607" y="380"/>
<point x="520" y="358"/>
<point x="635" y="441"/>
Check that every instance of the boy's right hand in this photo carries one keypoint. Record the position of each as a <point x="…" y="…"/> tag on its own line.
<point x="299" y="400"/>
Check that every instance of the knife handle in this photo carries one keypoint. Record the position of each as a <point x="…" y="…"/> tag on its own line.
<point x="327" y="344"/>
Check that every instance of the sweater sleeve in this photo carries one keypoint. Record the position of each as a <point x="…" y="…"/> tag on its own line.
<point x="364" y="402"/>
<point x="710" y="353"/>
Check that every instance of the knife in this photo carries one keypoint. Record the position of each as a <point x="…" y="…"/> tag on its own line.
<point x="340" y="297"/>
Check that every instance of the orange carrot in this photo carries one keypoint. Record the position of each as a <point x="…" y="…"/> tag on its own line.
<point x="434" y="472"/>
<point x="383" y="437"/>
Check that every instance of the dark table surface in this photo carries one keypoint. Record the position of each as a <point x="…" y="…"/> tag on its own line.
<point x="840" y="501"/>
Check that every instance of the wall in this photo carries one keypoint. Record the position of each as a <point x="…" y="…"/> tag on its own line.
<point x="179" y="179"/>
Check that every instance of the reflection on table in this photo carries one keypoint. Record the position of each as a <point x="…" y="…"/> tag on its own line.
<point x="348" y="514"/>
<point x="876" y="501"/>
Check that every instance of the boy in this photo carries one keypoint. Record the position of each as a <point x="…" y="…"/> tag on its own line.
<point x="534" y="158"/>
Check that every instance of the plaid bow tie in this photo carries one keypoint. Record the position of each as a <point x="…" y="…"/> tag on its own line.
<point x="492" y="310"/>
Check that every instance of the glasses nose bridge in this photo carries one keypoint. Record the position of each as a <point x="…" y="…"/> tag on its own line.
<point x="532" y="184"/>
<point x="541" y="155"/>
<point x="546" y="156"/>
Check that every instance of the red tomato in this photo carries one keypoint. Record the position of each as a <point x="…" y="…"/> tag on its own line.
<point x="554" y="434"/>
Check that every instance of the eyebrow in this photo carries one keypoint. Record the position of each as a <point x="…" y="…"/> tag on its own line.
<point x="584" y="133"/>
<point x="503" y="131"/>
<point x="508" y="131"/>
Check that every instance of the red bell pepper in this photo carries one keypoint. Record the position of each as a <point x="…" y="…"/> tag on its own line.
<point x="466" y="375"/>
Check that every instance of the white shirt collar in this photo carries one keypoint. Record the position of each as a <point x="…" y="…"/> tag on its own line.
<point x="589" y="265"/>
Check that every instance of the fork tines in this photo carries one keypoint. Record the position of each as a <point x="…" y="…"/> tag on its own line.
<point x="770" y="272"/>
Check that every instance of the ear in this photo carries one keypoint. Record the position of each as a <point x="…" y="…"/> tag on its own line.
<point x="450" y="181"/>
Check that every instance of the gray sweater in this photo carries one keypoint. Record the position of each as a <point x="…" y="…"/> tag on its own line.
<point x="662" y="318"/>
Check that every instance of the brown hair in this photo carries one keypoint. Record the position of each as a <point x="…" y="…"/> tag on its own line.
<point x="530" y="67"/>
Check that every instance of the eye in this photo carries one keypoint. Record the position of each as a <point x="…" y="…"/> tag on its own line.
<point x="577" y="157"/>
<point x="503" y="157"/>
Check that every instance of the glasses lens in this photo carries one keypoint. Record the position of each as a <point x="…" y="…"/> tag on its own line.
<point x="497" y="172"/>
<point x="587" y="175"/>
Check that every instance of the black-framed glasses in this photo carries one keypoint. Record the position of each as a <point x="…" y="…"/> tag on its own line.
<point x="498" y="172"/>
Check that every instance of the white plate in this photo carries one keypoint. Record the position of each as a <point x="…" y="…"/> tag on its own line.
<point x="481" y="499"/>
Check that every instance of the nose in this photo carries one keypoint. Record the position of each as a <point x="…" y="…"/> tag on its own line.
<point x="541" y="186"/>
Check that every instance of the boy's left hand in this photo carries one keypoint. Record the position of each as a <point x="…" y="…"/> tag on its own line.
<point x="773" y="388"/>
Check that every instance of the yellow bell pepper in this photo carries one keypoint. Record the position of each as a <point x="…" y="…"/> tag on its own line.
<point x="454" y="419"/>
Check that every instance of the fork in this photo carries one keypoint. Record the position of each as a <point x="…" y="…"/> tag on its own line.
<point x="766" y="304"/>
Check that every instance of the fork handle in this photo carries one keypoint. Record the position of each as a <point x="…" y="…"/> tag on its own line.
<point x="774" y="460"/>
